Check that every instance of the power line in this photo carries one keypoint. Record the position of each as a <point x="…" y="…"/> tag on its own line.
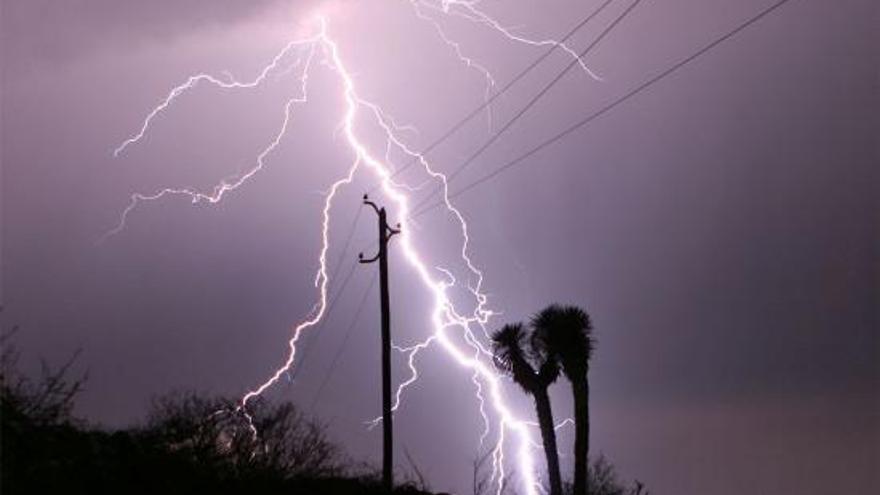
<point x="347" y="243"/>
<point x="492" y="139"/>
<point x="341" y="347"/>
<point x="342" y="256"/>
<point x="476" y="111"/>
<point x="607" y="108"/>
<point x="311" y="343"/>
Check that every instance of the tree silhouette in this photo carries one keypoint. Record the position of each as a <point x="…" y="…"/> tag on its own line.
<point x="513" y="359"/>
<point x="564" y="334"/>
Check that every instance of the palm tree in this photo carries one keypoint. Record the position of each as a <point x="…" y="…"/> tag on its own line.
<point x="564" y="334"/>
<point x="513" y="359"/>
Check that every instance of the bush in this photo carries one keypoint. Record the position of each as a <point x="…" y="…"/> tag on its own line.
<point x="271" y="441"/>
<point x="189" y="444"/>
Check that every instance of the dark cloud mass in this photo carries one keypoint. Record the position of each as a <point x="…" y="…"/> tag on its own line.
<point x="721" y="228"/>
<point x="51" y="31"/>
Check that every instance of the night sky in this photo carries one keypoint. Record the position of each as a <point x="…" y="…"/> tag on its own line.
<point x="720" y="228"/>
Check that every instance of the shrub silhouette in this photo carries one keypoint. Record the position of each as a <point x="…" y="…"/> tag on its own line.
<point x="277" y="441"/>
<point x="189" y="444"/>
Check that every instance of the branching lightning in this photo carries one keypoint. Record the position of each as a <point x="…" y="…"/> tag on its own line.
<point x="470" y="11"/>
<point x="454" y="332"/>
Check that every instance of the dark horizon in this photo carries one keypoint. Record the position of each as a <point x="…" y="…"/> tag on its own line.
<point x="720" y="228"/>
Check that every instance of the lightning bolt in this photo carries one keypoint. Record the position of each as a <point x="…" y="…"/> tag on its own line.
<point x="453" y="331"/>
<point x="469" y="10"/>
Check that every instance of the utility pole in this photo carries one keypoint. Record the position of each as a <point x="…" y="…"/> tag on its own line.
<point x="385" y="233"/>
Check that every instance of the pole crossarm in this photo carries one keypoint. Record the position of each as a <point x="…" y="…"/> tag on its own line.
<point x="388" y="232"/>
<point x="371" y="260"/>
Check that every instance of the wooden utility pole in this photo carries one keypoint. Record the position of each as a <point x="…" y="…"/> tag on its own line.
<point x="385" y="233"/>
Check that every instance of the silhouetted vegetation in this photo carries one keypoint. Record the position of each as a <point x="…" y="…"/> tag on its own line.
<point x="190" y="443"/>
<point x="602" y="480"/>
<point x="565" y="334"/>
<point x="559" y="338"/>
<point x="533" y="371"/>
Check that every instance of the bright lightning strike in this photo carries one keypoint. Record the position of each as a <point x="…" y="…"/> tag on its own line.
<point x="445" y="319"/>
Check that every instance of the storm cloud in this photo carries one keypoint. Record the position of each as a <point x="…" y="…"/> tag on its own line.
<point x="721" y="228"/>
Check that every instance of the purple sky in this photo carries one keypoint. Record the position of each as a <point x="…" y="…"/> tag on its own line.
<point x="720" y="228"/>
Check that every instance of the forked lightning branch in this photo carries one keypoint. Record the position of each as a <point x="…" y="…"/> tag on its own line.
<point x="461" y="335"/>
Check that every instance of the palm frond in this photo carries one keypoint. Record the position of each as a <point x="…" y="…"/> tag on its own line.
<point x="510" y="356"/>
<point x="564" y="332"/>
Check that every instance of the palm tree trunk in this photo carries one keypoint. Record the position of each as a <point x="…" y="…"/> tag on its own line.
<point x="581" y="392"/>
<point x="548" y="435"/>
